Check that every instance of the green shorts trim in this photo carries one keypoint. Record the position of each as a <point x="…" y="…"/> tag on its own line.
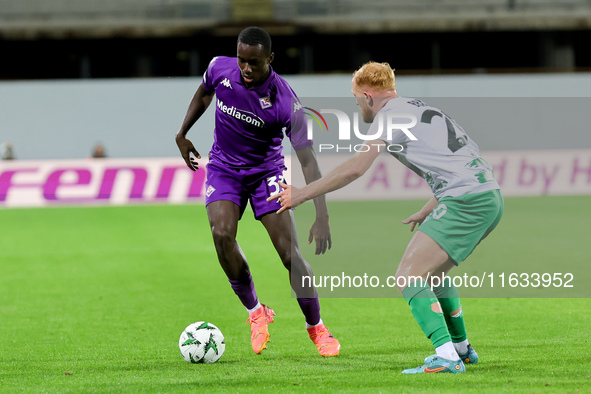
<point x="458" y="224"/>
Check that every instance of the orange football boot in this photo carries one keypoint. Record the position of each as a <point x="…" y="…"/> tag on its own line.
<point x="259" y="327"/>
<point x="327" y="345"/>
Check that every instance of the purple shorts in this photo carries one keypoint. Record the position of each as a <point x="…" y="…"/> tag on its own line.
<point x="243" y="185"/>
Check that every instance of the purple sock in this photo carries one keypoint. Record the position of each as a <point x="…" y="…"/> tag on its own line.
<point x="244" y="289"/>
<point x="311" y="309"/>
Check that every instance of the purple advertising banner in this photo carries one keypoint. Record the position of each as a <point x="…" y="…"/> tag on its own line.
<point x="98" y="181"/>
<point x="519" y="173"/>
<point x="169" y="181"/>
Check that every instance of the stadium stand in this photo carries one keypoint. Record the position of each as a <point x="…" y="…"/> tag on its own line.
<point x="77" y="38"/>
<point x="30" y="18"/>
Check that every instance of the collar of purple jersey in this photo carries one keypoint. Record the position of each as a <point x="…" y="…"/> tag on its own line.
<point x="262" y="88"/>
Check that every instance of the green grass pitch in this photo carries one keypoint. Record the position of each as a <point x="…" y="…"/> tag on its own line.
<point x="94" y="300"/>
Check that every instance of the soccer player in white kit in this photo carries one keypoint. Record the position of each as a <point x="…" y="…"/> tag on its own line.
<point x="466" y="206"/>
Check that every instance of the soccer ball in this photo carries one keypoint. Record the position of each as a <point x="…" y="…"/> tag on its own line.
<point x="202" y="342"/>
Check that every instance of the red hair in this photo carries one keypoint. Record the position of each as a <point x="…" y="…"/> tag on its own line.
<point x="379" y="76"/>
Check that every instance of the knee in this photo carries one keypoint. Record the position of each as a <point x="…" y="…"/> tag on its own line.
<point x="300" y="268"/>
<point x="222" y="236"/>
<point x="285" y="256"/>
<point x="283" y="247"/>
<point x="294" y="262"/>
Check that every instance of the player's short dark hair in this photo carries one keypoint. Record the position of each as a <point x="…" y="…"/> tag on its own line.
<point x="254" y="36"/>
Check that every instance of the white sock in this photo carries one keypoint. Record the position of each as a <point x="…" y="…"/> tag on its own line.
<point x="462" y="347"/>
<point x="447" y="351"/>
<point x="309" y="326"/>
<point x="257" y="306"/>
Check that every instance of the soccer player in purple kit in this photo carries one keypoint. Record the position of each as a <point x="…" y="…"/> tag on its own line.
<point x="254" y="110"/>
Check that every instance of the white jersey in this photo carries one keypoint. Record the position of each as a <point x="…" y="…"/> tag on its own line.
<point x="442" y="153"/>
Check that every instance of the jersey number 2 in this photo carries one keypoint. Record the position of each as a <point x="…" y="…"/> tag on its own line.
<point x="454" y="142"/>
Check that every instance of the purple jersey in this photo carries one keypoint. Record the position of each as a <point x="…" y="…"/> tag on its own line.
<point x="250" y="122"/>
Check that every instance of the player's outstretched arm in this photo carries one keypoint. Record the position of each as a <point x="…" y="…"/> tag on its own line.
<point x="339" y="177"/>
<point x="320" y="230"/>
<point x="197" y="107"/>
<point x="420" y="216"/>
